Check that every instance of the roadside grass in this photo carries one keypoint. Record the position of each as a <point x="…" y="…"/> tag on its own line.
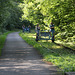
<point x="58" y="55"/>
<point x="67" y="44"/>
<point x="2" y="39"/>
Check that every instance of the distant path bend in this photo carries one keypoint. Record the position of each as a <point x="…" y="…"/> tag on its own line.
<point x="19" y="58"/>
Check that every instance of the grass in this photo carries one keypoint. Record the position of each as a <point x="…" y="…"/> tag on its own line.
<point x="58" y="55"/>
<point x="67" y="44"/>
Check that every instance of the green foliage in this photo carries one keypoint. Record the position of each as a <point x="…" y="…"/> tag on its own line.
<point x="56" y="54"/>
<point x="10" y="14"/>
<point x="19" y="12"/>
<point x="60" y="12"/>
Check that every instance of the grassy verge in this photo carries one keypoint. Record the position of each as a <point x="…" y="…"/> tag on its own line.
<point x="67" y="44"/>
<point x="58" y="55"/>
<point x="2" y="39"/>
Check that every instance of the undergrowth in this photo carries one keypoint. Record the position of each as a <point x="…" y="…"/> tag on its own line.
<point x="58" y="55"/>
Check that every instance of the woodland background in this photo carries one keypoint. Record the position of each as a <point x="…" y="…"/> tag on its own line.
<point x="15" y="13"/>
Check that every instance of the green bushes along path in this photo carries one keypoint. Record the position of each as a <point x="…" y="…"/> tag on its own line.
<point x="58" y="55"/>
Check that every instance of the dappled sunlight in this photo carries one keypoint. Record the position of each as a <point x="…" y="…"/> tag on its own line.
<point x="22" y="59"/>
<point x="56" y="47"/>
<point x="30" y="35"/>
<point x="67" y="44"/>
<point x="45" y="41"/>
<point x="24" y="66"/>
<point x="61" y="15"/>
<point x="54" y="53"/>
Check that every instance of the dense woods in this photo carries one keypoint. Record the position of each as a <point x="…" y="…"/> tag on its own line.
<point x="9" y="15"/>
<point x="15" y="13"/>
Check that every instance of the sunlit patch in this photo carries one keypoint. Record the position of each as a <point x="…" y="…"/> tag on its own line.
<point x="56" y="54"/>
<point x="56" y="47"/>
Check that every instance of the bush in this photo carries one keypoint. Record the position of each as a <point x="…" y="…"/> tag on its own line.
<point x="69" y="34"/>
<point x="61" y="36"/>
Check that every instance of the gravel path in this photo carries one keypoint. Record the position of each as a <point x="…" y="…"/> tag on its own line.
<point x="19" y="58"/>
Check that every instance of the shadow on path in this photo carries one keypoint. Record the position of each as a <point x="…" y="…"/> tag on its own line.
<point x="19" y="58"/>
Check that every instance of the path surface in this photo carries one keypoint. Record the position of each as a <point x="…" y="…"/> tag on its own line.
<point x="19" y="58"/>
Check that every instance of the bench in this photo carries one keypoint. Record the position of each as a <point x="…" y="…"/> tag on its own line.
<point x="27" y="30"/>
<point x="45" y="36"/>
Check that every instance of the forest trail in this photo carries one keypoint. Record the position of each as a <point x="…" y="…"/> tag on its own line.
<point x="19" y="58"/>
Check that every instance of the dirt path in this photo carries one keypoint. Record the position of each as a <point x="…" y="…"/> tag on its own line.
<point x="19" y="58"/>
